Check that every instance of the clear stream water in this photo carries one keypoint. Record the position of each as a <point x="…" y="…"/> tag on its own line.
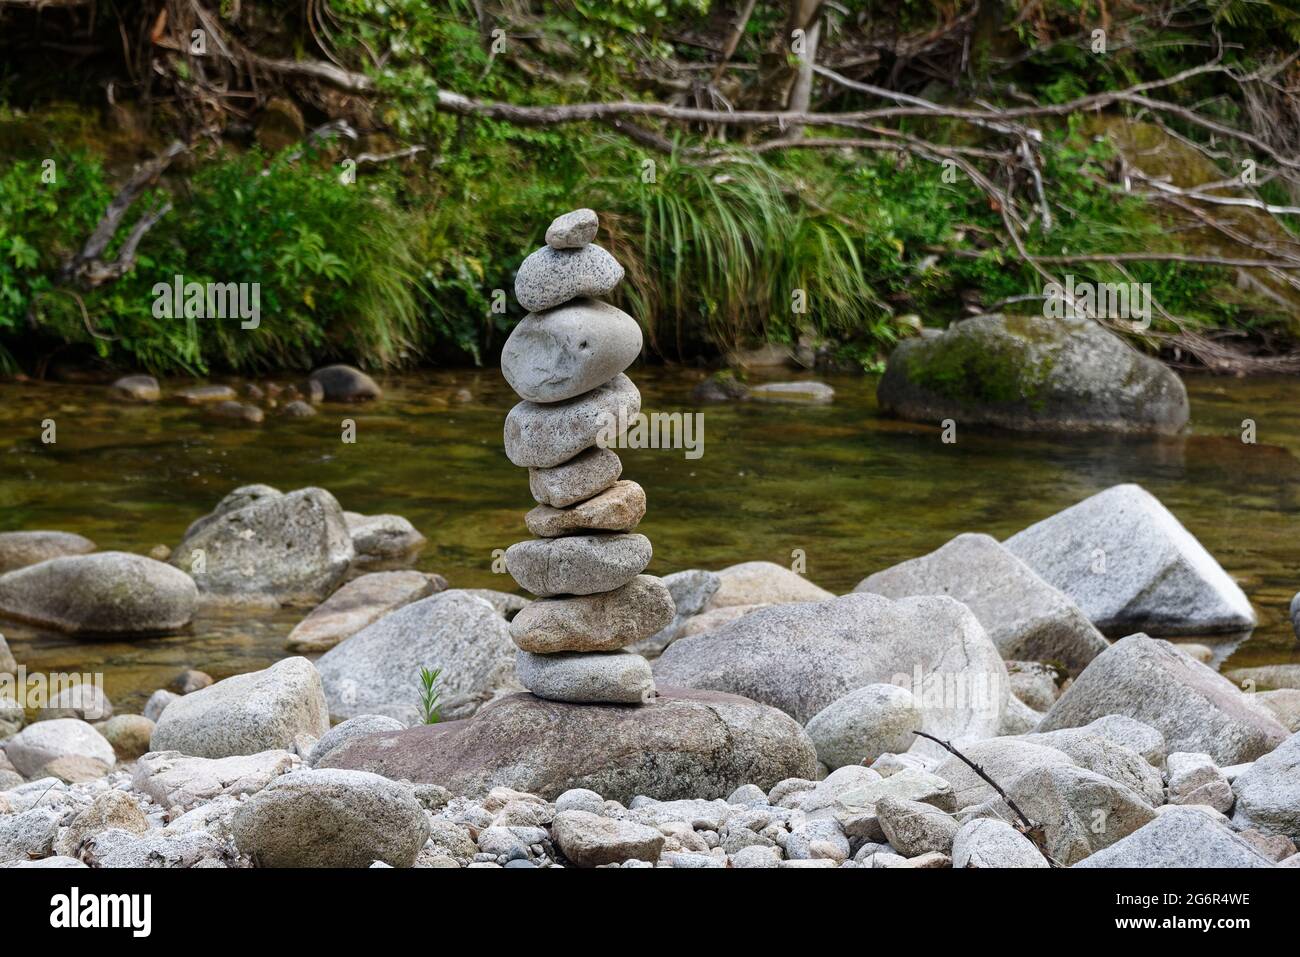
<point x="854" y="491"/>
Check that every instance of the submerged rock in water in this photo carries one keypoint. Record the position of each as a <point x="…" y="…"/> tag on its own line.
<point x="293" y="549"/>
<point x="684" y="744"/>
<point x="1033" y="374"/>
<point x="383" y="540"/>
<point x="1131" y="566"/>
<point x="801" y="657"/>
<point x="799" y="393"/>
<point x="343" y="383"/>
<point x="141" y="388"/>
<point x="20" y="549"/>
<point x="1195" y="708"/>
<point x="377" y="670"/>
<point x="101" y="594"/>
<point x="1024" y="616"/>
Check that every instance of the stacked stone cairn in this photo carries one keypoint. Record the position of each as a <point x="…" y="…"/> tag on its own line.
<point x="566" y="360"/>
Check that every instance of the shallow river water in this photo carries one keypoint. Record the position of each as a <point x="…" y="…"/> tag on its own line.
<point x="853" y="491"/>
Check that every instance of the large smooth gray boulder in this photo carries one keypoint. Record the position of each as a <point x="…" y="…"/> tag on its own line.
<point x="1033" y="374"/>
<point x="38" y="744"/>
<point x="684" y="744"/>
<point x="801" y="657"/>
<point x="1024" y="616"/>
<point x="550" y="277"/>
<point x="293" y="548"/>
<point x="1080" y="811"/>
<point x="1179" y="837"/>
<point x="1131" y="566"/>
<point x="1268" y="794"/>
<point x="578" y="564"/>
<point x="8" y="664"/>
<point x="246" y="714"/>
<point x="104" y="594"/>
<point x="377" y="670"/>
<point x="1002" y="759"/>
<point x="1107" y="758"/>
<point x="544" y="436"/>
<point x="1195" y="708"/>
<point x="563" y="352"/>
<point x="20" y="549"/>
<point x="331" y="818"/>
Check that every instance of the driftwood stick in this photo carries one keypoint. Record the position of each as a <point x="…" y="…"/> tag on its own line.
<point x="1027" y="825"/>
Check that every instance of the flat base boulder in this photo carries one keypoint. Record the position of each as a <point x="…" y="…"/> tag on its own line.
<point x="100" y="595"/>
<point x="344" y="383"/>
<point x="1131" y="566"/>
<point x="1194" y="707"/>
<point x="175" y="780"/>
<point x="684" y="744"/>
<point x="1033" y="374"/>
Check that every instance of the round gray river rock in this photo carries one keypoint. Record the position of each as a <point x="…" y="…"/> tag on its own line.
<point x="555" y="355"/>
<point x="576" y="480"/>
<point x="542" y="436"/>
<point x="606" y="621"/>
<point x="331" y="818"/>
<point x="578" y="564"/>
<point x="551" y="277"/>
<point x="684" y="744"/>
<point x="613" y="677"/>
<point x="101" y="594"/>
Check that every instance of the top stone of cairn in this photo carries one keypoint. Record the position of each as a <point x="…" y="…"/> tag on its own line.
<point x="572" y="230"/>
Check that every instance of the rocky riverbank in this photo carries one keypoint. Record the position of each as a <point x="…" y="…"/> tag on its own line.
<point x="782" y="729"/>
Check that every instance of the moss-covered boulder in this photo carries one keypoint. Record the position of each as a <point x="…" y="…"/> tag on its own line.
<point x="1033" y="374"/>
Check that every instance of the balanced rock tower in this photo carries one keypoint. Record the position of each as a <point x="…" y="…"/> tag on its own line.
<point x="566" y="361"/>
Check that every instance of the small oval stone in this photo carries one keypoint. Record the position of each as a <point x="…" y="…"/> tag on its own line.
<point x="576" y="480"/>
<point x="566" y="351"/>
<point x="551" y="277"/>
<point x="619" y="508"/>
<point x="541" y="436"/>
<point x="579" y="564"/>
<point x="573" y="230"/>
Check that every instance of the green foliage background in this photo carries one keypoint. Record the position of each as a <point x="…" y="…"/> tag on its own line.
<point x="401" y="266"/>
